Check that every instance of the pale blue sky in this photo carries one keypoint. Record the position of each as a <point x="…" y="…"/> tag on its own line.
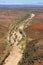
<point x="33" y="2"/>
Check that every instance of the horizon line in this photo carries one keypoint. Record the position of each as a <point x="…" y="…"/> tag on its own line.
<point x="22" y="4"/>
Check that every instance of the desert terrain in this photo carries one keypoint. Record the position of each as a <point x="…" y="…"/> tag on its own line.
<point x="21" y="36"/>
<point x="6" y="18"/>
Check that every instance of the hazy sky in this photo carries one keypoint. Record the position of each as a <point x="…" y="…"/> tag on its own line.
<point x="36" y="2"/>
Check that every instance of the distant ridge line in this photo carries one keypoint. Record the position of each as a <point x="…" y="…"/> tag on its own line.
<point x="10" y="6"/>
